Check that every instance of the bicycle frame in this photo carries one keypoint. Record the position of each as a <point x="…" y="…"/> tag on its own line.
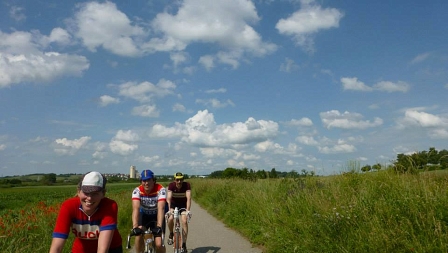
<point x="148" y="237"/>
<point x="177" y="230"/>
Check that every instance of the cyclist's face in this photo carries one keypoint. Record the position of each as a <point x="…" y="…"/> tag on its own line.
<point x="90" y="201"/>
<point x="179" y="182"/>
<point x="148" y="184"/>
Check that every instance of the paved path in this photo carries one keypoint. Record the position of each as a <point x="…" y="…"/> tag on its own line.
<point x="208" y="235"/>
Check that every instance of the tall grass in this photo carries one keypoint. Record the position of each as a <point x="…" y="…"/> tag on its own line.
<point x="373" y="212"/>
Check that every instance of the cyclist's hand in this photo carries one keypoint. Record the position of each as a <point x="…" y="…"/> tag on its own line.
<point x="189" y="214"/>
<point x="137" y="231"/>
<point x="157" y="230"/>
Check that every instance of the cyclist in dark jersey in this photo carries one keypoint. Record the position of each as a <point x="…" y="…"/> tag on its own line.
<point x="179" y="195"/>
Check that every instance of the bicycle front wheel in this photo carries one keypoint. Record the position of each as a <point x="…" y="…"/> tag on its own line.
<point x="177" y="242"/>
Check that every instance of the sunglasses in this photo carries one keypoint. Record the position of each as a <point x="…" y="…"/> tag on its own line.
<point x="179" y="180"/>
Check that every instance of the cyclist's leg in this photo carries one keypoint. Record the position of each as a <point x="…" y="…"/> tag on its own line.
<point x="157" y="238"/>
<point x="138" y="244"/>
<point x="184" y="230"/>
<point x="170" y="227"/>
<point x="184" y="226"/>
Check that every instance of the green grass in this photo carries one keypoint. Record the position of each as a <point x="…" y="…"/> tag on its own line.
<point x="372" y="212"/>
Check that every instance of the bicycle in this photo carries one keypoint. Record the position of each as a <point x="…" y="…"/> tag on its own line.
<point x="177" y="238"/>
<point x="148" y="236"/>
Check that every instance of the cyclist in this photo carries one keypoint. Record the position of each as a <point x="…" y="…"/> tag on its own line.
<point x="91" y="217"/>
<point x="179" y="195"/>
<point x="148" y="206"/>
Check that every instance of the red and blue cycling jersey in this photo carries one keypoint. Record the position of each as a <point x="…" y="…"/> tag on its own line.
<point x="86" y="228"/>
<point x="148" y="201"/>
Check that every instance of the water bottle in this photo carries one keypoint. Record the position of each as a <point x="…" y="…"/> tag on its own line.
<point x="176" y="213"/>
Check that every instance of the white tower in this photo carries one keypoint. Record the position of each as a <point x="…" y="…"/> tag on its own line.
<point x="132" y="172"/>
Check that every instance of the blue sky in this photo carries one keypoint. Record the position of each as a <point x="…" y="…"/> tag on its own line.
<point x="198" y="86"/>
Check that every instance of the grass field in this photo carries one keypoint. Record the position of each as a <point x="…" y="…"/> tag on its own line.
<point x="372" y="212"/>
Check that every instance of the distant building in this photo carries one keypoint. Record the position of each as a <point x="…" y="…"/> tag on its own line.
<point x="132" y="172"/>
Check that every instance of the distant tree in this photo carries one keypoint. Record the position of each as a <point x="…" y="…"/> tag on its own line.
<point x="443" y="159"/>
<point x="230" y="172"/>
<point x="273" y="173"/>
<point x="216" y="174"/>
<point x="376" y="167"/>
<point x="262" y="174"/>
<point x="49" y="179"/>
<point x="366" y="168"/>
<point x="293" y="174"/>
<point x="433" y="156"/>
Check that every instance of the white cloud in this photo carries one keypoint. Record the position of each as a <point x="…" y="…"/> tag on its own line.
<point x="222" y="22"/>
<point x="128" y="135"/>
<point x="145" y="91"/>
<point x="307" y="140"/>
<point x="179" y="108"/>
<point x="148" y="159"/>
<point x="201" y="130"/>
<point x="2" y="147"/>
<point x="307" y="21"/>
<point x="420" y="58"/>
<point x="340" y="147"/>
<point x="300" y="122"/>
<point x="391" y="86"/>
<point x="106" y="100"/>
<point x="16" y="13"/>
<point x="146" y="111"/>
<point x="22" y="59"/>
<point x="103" y="25"/>
<point x="423" y="119"/>
<point x="347" y="120"/>
<point x="352" y="83"/>
<point x="215" y="103"/>
<point x="288" y="65"/>
<point x="122" y="148"/>
<point x="220" y="90"/>
<point x="60" y="36"/>
<point x="66" y="146"/>
<point x="208" y="61"/>
<point x="178" y="58"/>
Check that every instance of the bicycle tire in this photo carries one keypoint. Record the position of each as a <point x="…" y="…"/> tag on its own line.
<point x="178" y="241"/>
<point x="150" y="248"/>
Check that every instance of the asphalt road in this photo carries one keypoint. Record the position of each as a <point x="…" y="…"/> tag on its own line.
<point x="208" y="235"/>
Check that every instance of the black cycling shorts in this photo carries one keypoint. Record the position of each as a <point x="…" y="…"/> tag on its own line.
<point x="150" y="221"/>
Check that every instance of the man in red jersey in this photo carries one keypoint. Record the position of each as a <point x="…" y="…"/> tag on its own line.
<point x="148" y="209"/>
<point x="91" y="217"/>
<point x="179" y="195"/>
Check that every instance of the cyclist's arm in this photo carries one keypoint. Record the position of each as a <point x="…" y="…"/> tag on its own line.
<point x="57" y="244"/>
<point x="104" y="240"/>
<point x="160" y="212"/>
<point x="169" y="196"/>
<point x="188" y="195"/>
<point x="135" y="212"/>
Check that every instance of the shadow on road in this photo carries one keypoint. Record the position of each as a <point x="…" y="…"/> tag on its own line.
<point x="206" y="250"/>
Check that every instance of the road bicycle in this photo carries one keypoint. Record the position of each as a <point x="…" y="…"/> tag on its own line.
<point x="148" y="237"/>
<point x="177" y="237"/>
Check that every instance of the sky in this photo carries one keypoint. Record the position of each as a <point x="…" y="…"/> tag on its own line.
<point x="198" y="86"/>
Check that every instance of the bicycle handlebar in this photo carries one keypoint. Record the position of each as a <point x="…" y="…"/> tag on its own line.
<point x="180" y="210"/>
<point x="137" y="232"/>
